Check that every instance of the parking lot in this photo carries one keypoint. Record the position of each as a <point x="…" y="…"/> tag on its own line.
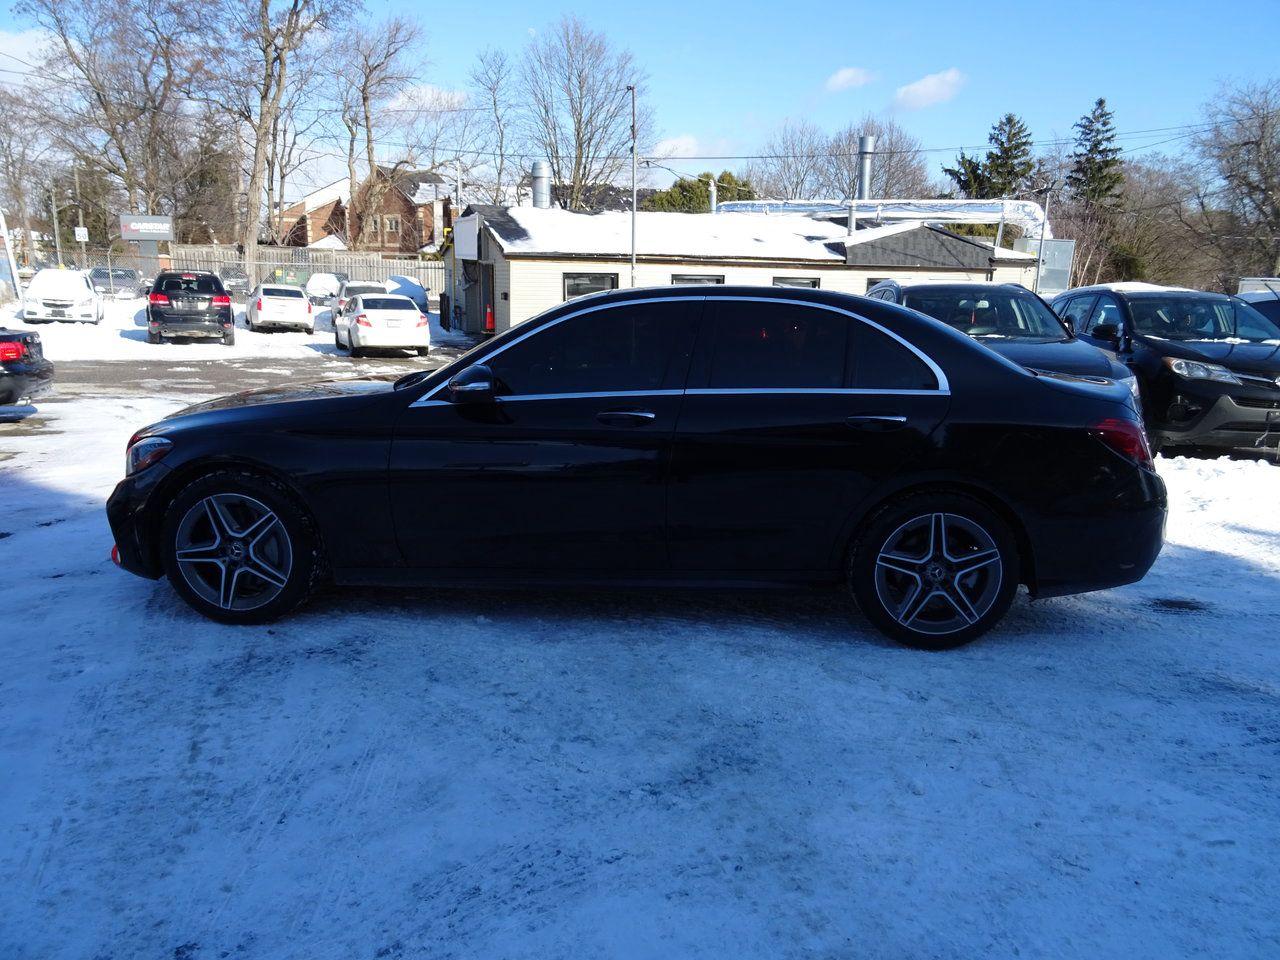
<point x="656" y="774"/>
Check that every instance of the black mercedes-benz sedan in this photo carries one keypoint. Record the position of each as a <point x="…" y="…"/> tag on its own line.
<point x="674" y="436"/>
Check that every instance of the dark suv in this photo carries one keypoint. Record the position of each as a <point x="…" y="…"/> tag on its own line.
<point x="1009" y="319"/>
<point x="1208" y="365"/>
<point x="188" y="304"/>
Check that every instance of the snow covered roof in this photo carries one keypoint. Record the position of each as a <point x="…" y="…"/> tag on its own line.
<point x="532" y="231"/>
<point x="1026" y="214"/>
<point x="321" y="196"/>
<point x="420" y="186"/>
<point x="1133" y="286"/>
<point x="330" y="242"/>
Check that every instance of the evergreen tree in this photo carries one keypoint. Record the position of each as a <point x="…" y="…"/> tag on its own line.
<point x="689" y="195"/>
<point x="1009" y="161"/>
<point x="1004" y="171"/>
<point x="1096" y="171"/>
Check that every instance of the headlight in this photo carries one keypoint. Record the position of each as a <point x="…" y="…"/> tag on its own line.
<point x="1194" y="370"/>
<point x="30" y="304"/>
<point x="1132" y="384"/>
<point x="143" y="453"/>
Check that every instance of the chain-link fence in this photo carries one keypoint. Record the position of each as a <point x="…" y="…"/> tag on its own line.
<point x="297" y="265"/>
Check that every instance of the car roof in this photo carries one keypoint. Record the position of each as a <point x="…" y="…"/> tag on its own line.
<point x="185" y="273"/>
<point x="971" y="286"/>
<point x="1130" y="288"/>
<point x="273" y="283"/>
<point x="384" y="296"/>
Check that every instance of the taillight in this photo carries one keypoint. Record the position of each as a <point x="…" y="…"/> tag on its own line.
<point x="1127" y="438"/>
<point x="308" y="306"/>
<point x="259" y="307"/>
<point x="221" y="300"/>
<point x="363" y="321"/>
<point x="158" y="300"/>
<point x="13" y="350"/>
<point x="422" y="320"/>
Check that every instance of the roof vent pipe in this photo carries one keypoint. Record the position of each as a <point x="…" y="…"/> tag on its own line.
<point x="866" y="149"/>
<point x="541" y="184"/>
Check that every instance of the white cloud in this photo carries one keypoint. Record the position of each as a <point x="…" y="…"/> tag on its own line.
<point x="685" y="145"/>
<point x="925" y="92"/>
<point x="21" y="49"/>
<point x="846" y="78"/>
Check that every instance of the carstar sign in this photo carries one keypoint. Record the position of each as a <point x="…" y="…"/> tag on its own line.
<point x="135" y="226"/>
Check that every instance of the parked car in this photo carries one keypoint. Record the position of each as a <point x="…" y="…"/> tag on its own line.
<point x="56" y="294"/>
<point x="758" y="436"/>
<point x="1208" y="365"/>
<point x="187" y="304"/>
<point x="382" y="322"/>
<point x="122" y="283"/>
<point x="353" y="288"/>
<point x="321" y="288"/>
<point x="274" y="306"/>
<point x="1266" y="302"/>
<point x="1009" y="319"/>
<point x="24" y="372"/>
<point x="235" y="281"/>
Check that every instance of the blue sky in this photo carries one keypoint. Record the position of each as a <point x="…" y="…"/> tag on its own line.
<point x="725" y="74"/>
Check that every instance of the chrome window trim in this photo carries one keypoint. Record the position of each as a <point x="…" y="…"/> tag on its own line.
<point x="590" y="393"/>
<point x="943" y="388"/>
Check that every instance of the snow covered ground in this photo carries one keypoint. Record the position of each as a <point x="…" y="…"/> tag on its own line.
<point x="122" y="335"/>
<point x="566" y="775"/>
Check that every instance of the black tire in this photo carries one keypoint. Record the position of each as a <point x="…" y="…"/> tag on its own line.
<point x="970" y="584"/>
<point x="229" y="338"/>
<point x="424" y="351"/>
<point x="355" y="351"/>
<point x="337" y="344"/>
<point x="153" y="337"/>
<point x="306" y="564"/>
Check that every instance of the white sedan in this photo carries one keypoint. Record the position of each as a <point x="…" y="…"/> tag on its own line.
<point x="382" y="322"/>
<point x="56" y="294"/>
<point x="274" y="306"/>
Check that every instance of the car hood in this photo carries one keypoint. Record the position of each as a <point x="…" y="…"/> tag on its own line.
<point x="293" y="393"/>
<point x="1069" y="356"/>
<point x="1263" y="357"/>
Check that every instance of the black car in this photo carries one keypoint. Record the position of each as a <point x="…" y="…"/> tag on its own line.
<point x="187" y="304"/>
<point x="24" y="372"/>
<point x="1009" y="319"/>
<point x="749" y="436"/>
<point x="1208" y="365"/>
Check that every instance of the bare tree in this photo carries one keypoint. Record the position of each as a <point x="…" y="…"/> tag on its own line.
<point x="376" y="69"/>
<point x="252" y="75"/>
<point x="792" y="163"/>
<point x="574" y="84"/>
<point x="20" y="150"/>
<point x="292" y="135"/>
<point x="492" y="78"/>
<point x="1236" y="210"/>
<point x="899" y="169"/>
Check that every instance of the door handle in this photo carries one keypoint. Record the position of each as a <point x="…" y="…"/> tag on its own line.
<point x="876" y="422"/>
<point x="625" y="418"/>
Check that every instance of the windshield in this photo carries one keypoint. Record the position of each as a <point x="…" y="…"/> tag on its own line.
<point x="282" y="292"/>
<point x="355" y="289"/>
<point x="991" y="314"/>
<point x="1200" y="318"/>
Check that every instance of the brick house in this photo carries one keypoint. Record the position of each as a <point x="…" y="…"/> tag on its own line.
<point x="321" y="213"/>
<point x="412" y="211"/>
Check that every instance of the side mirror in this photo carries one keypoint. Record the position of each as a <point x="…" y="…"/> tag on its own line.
<point x="475" y="384"/>
<point x="1106" y="331"/>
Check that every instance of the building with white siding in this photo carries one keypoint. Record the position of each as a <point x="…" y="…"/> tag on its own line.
<point x="515" y="262"/>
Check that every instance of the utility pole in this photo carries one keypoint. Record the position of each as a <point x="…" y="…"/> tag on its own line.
<point x="53" y="207"/>
<point x="1048" y="196"/>
<point x="632" y="91"/>
<point x="84" y="255"/>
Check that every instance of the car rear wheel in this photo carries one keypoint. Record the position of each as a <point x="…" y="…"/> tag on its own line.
<point x="239" y="548"/>
<point x="153" y="336"/>
<point x="424" y="351"/>
<point x="229" y="338"/>
<point x="935" y="571"/>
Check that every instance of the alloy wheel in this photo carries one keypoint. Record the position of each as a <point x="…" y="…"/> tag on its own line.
<point x="233" y="551"/>
<point x="938" y="573"/>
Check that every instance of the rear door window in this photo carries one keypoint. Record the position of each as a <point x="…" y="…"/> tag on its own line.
<point x="879" y="362"/>
<point x="777" y="345"/>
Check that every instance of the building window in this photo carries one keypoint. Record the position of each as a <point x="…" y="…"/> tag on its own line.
<point x="580" y="284"/>
<point x="391" y="225"/>
<point x="872" y="281"/>
<point x="681" y="278"/>
<point x="809" y="282"/>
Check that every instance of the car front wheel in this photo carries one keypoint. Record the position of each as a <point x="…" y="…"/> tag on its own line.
<point x="935" y="571"/>
<point x="239" y="548"/>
